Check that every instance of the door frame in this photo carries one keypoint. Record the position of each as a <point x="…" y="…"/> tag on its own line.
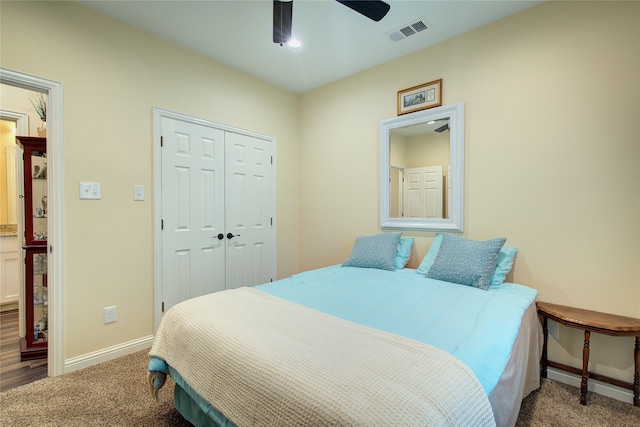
<point x="158" y="115"/>
<point x="55" y="235"/>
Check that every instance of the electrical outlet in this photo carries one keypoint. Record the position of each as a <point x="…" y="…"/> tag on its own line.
<point x="109" y="314"/>
<point x="553" y="328"/>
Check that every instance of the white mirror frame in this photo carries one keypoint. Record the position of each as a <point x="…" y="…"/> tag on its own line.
<point x="455" y="222"/>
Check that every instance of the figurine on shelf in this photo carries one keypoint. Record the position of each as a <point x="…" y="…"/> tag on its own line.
<point x="38" y="294"/>
<point x="39" y="235"/>
<point x="43" y="172"/>
<point x="39" y="264"/>
<point x="43" y="323"/>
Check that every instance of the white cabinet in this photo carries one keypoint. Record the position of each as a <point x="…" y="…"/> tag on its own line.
<point x="10" y="269"/>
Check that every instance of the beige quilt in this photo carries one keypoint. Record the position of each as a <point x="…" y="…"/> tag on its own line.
<point x="261" y="360"/>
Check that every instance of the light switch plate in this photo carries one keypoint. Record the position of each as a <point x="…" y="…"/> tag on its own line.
<point x="90" y="190"/>
<point x="138" y="192"/>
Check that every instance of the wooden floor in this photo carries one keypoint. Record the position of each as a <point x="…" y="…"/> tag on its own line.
<point x="14" y="373"/>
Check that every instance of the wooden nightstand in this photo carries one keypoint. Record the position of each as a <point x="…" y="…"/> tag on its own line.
<point x="591" y="321"/>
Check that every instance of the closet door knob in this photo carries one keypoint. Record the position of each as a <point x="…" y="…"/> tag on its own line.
<point x="229" y="235"/>
<point x="220" y="236"/>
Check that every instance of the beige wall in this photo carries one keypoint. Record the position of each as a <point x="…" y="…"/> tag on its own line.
<point x="113" y="74"/>
<point x="429" y="150"/>
<point x="552" y="155"/>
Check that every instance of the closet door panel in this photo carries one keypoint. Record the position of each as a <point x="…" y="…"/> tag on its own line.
<point x="192" y="210"/>
<point x="249" y="172"/>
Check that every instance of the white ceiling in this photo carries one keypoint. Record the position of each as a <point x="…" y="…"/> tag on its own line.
<point x="337" y="42"/>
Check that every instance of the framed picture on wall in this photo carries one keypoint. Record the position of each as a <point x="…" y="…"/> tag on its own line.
<point x="420" y="97"/>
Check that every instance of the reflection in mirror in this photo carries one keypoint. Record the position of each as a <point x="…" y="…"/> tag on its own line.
<point x="419" y="164"/>
<point x="421" y="169"/>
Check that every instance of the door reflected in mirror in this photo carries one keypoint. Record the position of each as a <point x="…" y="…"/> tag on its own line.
<point x="419" y="158"/>
<point x="422" y="169"/>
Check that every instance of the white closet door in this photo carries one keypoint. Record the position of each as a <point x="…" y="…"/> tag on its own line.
<point x="192" y="210"/>
<point x="248" y="201"/>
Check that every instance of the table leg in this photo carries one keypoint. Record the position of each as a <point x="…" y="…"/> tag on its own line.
<point x="636" y="375"/>
<point x="545" y="335"/>
<point x="585" y="366"/>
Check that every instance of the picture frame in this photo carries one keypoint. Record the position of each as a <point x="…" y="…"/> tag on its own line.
<point x="420" y="97"/>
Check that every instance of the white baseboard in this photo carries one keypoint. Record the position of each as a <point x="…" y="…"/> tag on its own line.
<point x="106" y="354"/>
<point x="595" y="386"/>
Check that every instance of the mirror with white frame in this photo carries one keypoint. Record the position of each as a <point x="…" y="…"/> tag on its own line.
<point x="422" y="170"/>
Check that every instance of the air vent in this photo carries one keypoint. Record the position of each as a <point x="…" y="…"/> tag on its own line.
<point x="408" y="30"/>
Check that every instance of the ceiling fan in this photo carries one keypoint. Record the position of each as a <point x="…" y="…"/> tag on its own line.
<point x="283" y="13"/>
<point x="442" y="128"/>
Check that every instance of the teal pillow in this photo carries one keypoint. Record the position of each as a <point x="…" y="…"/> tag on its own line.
<point x="503" y="265"/>
<point x="403" y="253"/>
<point x="466" y="262"/>
<point x="430" y="257"/>
<point x="377" y="251"/>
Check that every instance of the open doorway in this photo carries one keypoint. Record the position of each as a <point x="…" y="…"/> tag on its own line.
<point x="54" y="247"/>
<point x="17" y="368"/>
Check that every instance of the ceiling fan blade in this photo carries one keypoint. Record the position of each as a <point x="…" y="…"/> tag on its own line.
<point x="442" y="128"/>
<point x="282" y="21"/>
<point x="374" y="9"/>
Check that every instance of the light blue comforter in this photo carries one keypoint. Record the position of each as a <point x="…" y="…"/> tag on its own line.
<point x="478" y="327"/>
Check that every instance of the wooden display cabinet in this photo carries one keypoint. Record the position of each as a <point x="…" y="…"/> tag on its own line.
<point x="34" y="343"/>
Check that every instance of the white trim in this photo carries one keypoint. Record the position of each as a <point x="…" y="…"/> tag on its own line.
<point x="55" y="175"/>
<point x="157" y="216"/>
<point x="595" y="386"/>
<point x="21" y="120"/>
<point x="158" y="115"/>
<point x="106" y="354"/>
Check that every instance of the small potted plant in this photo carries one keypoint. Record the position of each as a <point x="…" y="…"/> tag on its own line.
<point x="40" y="106"/>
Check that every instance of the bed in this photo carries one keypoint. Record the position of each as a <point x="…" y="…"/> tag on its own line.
<point x="368" y="342"/>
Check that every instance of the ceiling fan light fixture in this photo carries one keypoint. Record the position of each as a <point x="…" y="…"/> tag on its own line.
<point x="283" y="17"/>
<point x="282" y="21"/>
<point x="294" y="43"/>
